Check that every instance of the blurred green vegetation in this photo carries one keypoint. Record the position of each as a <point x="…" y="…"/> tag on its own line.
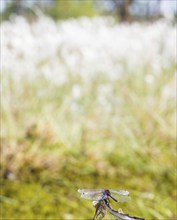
<point x="53" y="144"/>
<point x="71" y="9"/>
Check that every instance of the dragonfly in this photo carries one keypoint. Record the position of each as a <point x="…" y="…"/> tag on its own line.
<point x="102" y="194"/>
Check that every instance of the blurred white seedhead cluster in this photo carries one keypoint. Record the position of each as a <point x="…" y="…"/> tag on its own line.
<point x="85" y="46"/>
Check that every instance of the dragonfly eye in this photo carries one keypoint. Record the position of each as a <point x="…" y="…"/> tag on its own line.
<point x="107" y="192"/>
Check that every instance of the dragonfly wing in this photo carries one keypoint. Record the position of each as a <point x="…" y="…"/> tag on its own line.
<point x="95" y="197"/>
<point x="120" y="192"/>
<point x="120" y="195"/>
<point x="90" y="191"/>
<point x="91" y="194"/>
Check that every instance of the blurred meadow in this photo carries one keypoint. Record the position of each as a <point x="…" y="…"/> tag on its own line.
<point x="87" y="101"/>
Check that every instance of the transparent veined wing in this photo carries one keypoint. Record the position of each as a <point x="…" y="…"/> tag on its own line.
<point x="92" y="194"/>
<point x="90" y="191"/>
<point x="120" y="195"/>
<point x="100" y="194"/>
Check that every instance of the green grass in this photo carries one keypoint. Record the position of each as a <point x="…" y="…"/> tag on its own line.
<point x="53" y="144"/>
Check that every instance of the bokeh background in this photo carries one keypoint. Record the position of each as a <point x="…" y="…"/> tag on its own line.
<point x="87" y="101"/>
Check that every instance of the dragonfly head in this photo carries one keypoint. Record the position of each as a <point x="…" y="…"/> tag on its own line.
<point x="107" y="192"/>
